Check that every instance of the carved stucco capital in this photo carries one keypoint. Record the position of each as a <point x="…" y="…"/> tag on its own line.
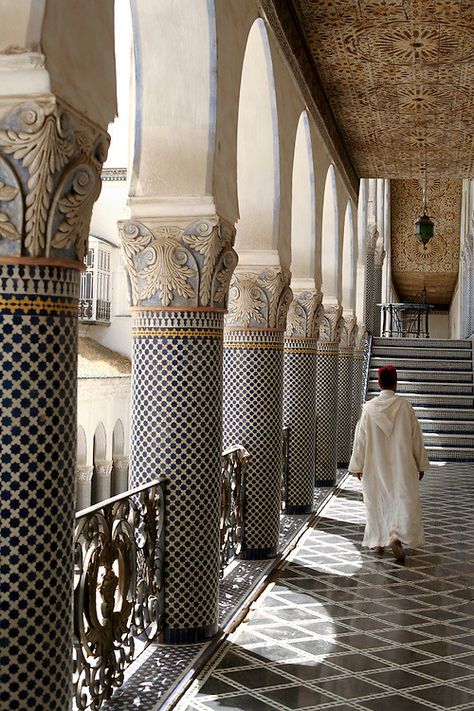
<point x="260" y="300"/>
<point x="331" y="324"/>
<point x="379" y="254"/>
<point x="174" y="266"/>
<point x="121" y="464"/>
<point x="304" y="315"/>
<point x="103" y="468"/>
<point x="84" y="473"/>
<point x="348" y="332"/>
<point x="50" y="162"/>
<point x="372" y="237"/>
<point x="361" y="337"/>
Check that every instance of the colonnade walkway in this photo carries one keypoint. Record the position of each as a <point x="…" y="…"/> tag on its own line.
<point x="339" y="628"/>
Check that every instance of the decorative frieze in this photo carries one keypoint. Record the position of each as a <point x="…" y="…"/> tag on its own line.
<point x="50" y="162"/>
<point x="176" y="267"/>
<point x="259" y="300"/>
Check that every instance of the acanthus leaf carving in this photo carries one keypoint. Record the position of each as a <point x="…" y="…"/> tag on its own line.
<point x="44" y="144"/>
<point x="304" y="315"/>
<point x="7" y="228"/>
<point x="169" y="265"/>
<point x="260" y="299"/>
<point x="348" y="332"/>
<point x="331" y="323"/>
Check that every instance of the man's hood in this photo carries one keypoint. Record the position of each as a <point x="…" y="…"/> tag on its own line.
<point x="383" y="410"/>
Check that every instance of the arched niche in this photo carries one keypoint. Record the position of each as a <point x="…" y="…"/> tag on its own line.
<point x="349" y="261"/>
<point x="330" y="239"/>
<point x="81" y="456"/>
<point x="100" y="443"/>
<point x="118" y="440"/>
<point x="175" y="51"/>
<point x="303" y="216"/>
<point x="361" y="249"/>
<point x="258" y="172"/>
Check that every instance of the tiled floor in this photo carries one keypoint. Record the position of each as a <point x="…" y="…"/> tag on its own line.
<point x="342" y="629"/>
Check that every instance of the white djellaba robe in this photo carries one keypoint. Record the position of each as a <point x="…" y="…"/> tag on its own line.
<point x="389" y="451"/>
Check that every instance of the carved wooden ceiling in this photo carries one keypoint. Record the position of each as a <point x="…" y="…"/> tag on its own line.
<point x="399" y="77"/>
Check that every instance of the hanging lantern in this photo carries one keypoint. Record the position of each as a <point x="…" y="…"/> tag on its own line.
<point x="424" y="225"/>
<point x="424" y="228"/>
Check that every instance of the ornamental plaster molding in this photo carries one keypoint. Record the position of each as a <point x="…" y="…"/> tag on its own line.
<point x="181" y="267"/>
<point x="361" y="337"/>
<point x="121" y="464"/>
<point x="331" y="323"/>
<point x="260" y="300"/>
<point x="379" y="254"/>
<point x="103" y="468"/>
<point x="84" y="473"/>
<point x="348" y="332"/>
<point x="50" y="162"/>
<point x="304" y="315"/>
<point x="371" y="239"/>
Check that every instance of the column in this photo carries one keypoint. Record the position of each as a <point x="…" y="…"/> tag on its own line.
<point x="360" y="340"/>
<point x="299" y="397"/>
<point x="179" y="273"/>
<point x="84" y="474"/>
<point x="379" y="257"/>
<point x="119" y="475"/>
<point x="467" y="256"/>
<point x="253" y="396"/>
<point x="372" y="236"/>
<point x="345" y="391"/>
<point x="326" y="395"/>
<point x="50" y="162"/>
<point x="102" y="481"/>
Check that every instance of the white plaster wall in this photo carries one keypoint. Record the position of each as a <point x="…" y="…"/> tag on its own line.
<point x="455" y="320"/>
<point x="439" y="325"/>
<point x="103" y="400"/>
<point x="78" y="41"/>
<point x="21" y="24"/>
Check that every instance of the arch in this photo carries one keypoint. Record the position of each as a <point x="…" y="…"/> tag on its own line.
<point x="175" y="104"/>
<point x="303" y="209"/>
<point x="258" y="175"/>
<point x="330" y="238"/>
<point x="349" y="263"/>
<point x="118" y="439"/>
<point x="100" y="443"/>
<point x="81" y="456"/>
<point x="361" y="249"/>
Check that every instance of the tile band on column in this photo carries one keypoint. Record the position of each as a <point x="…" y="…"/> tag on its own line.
<point x="299" y="398"/>
<point x="38" y="347"/>
<point x="178" y="277"/>
<point x="345" y="391"/>
<point x="253" y="397"/>
<point x="326" y="396"/>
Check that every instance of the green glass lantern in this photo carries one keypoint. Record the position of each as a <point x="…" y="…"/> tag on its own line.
<point x="424" y="228"/>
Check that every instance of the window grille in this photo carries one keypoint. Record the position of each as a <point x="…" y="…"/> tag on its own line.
<point x="94" y="304"/>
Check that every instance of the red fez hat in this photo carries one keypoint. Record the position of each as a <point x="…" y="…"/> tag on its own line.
<point x="387" y="375"/>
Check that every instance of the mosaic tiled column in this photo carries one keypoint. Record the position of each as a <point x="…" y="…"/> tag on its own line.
<point x="253" y="396"/>
<point x="360" y="338"/>
<point x="467" y="256"/>
<point x="371" y="241"/>
<point x="84" y="486"/>
<point x="50" y="161"/>
<point x="120" y="475"/>
<point x="378" y="266"/>
<point x="102" y="481"/>
<point x="326" y="396"/>
<point x="179" y="277"/>
<point x="299" y="398"/>
<point x="345" y="392"/>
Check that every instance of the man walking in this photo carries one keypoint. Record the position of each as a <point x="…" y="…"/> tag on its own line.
<point x="389" y="458"/>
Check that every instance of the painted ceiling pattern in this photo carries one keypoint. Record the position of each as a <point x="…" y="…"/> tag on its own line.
<point x="399" y="76"/>
<point x="434" y="266"/>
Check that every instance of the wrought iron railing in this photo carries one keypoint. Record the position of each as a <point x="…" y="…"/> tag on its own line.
<point x="118" y="588"/>
<point x="285" y="468"/>
<point x="85" y="309"/>
<point x="94" y="310"/>
<point x="102" y="310"/>
<point x="232" y="514"/>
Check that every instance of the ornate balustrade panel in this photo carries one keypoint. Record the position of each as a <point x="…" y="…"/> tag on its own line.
<point x="285" y="468"/>
<point x="118" y="588"/>
<point x="232" y="515"/>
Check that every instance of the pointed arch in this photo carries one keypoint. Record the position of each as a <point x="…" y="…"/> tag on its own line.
<point x="330" y="238"/>
<point x="361" y="250"/>
<point x="100" y="443"/>
<point x="349" y="261"/>
<point x="81" y="456"/>
<point x="258" y="174"/>
<point x="303" y="209"/>
<point x="118" y="439"/>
